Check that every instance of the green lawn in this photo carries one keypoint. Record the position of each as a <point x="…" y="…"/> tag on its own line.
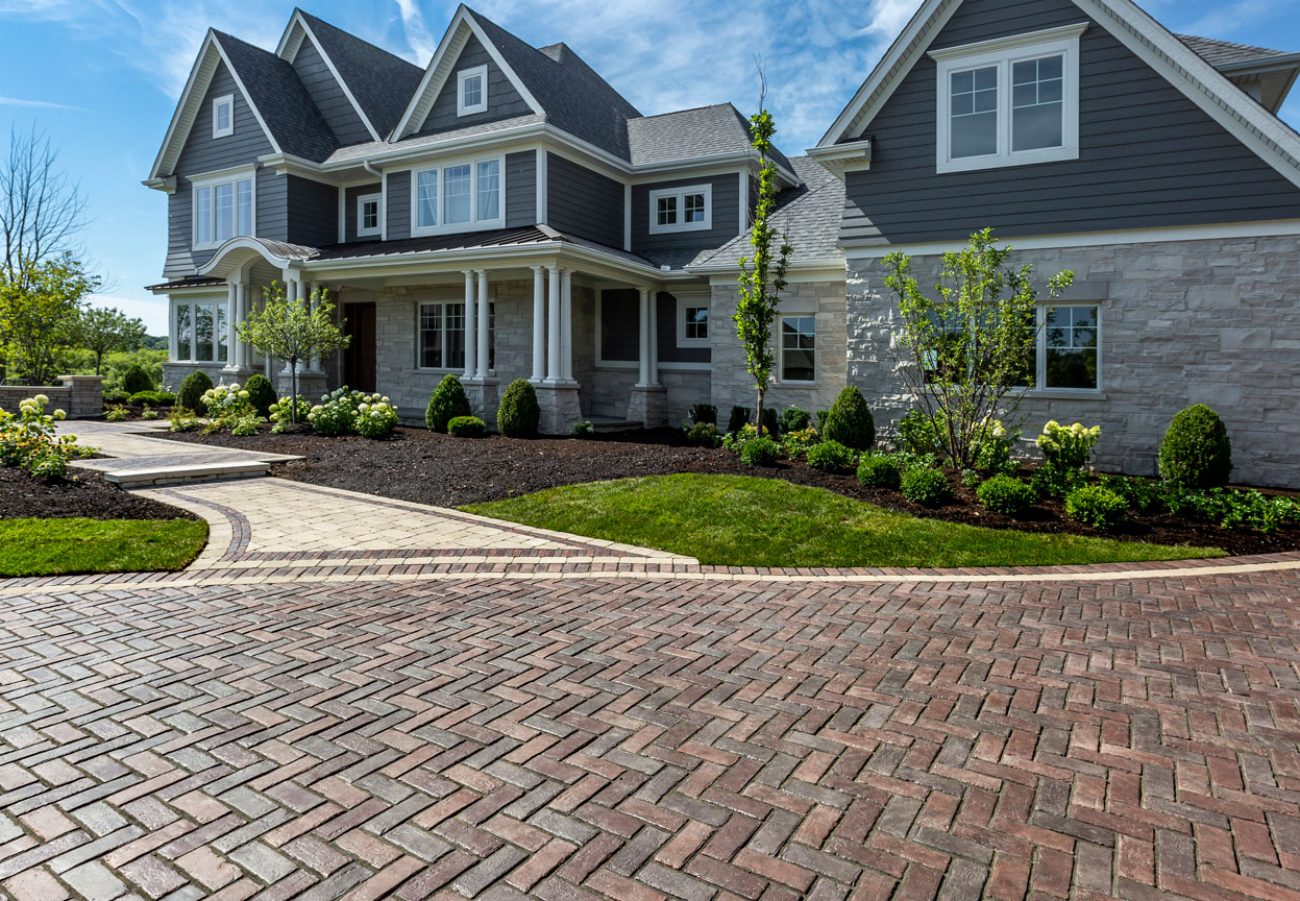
<point x="746" y="521"/>
<point x="48" y="547"/>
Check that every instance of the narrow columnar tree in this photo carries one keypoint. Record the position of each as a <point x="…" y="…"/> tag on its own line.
<point x="103" y="330"/>
<point x="293" y="331"/>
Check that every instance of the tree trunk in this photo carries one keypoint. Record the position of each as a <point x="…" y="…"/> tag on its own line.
<point x="293" y="390"/>
<point x="758" y="422"/>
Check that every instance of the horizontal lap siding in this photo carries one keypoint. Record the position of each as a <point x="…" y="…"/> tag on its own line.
<point x="582" y="202"/>
<point x="328" y="96"/>
<point x="521" y="189"/>
<point x="351" y="196"/>
<point x="504" y="101"/>
<point x="313" y="212"/>
<point x="666" y="325"/>
<point x="1149" y="157"/>
<point x="725" y="216"/>
<point x="399" y="205"/>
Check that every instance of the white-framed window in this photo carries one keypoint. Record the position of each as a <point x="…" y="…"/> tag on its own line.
<point x="471" y="91"/>
<point x="225" y="206"/>
<point x="199" y="333"/>
<point x="1009" y="102"/>
<point x="1069" y="347"/>
<point x="465" y="195"/>
<point x="223" y="116"/>
<point x="681" y="209"/>
<point x="440" y="330"/>
<point x="368" y="210"/>
<point x="693" y="320"/>
<point x="799" y="348"/>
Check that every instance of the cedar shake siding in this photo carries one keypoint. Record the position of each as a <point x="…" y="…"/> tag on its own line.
<point x="582" y="202"/>
<point x="1148" y="156"/>
<point x="334" y="106"/>
<point x="503" y="101"/>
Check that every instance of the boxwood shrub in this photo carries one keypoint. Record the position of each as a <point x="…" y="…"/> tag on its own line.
<point x="703" y="434"/>
<point x="519" y="416"/>
<point x="447" y="402"/>
<point x="879" y="471"/>
<point x="1096" y="506"/>
<point x="831" y="456"/>
<point x="466" y="427"/>
<point x="761" y="451"/>
<point x="1006" y="494"/>
<point x="794" y="419"/>
<point x="1196" y="451"/>
<point x="850" y="421"/>
<point x="261" y="393"/>
<point x="926" y="486"/>
<point x="136" y="379"/>
<point x="190" y="396"/>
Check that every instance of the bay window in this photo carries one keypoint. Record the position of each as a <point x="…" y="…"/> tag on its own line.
<point x="199" y="331"/>
<point x="224" y="208"/>
<point x="460" y="196"/>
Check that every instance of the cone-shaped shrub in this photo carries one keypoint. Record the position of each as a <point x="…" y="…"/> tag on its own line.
<point x="136" y="379"/>
<point x="446" y="403"/>
<point x="519" y="415"/>
<point x="850" y="421"/>
<point x="190" y="396"/>
<point x="1196" y="451"/>
<point x="261" y="393"/>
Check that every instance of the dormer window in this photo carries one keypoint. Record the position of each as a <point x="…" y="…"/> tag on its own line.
<point x="1009" y="102"/>
<point x="223" y="116"/>
<point x="681" y="209"/>
<point x="471" y="91"/>
<point x="368" y="223"/>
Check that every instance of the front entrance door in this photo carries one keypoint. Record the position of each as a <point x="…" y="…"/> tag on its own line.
<point x="359" y="357"/>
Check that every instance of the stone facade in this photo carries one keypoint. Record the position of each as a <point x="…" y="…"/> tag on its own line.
<point x="1210" y="321"/>
<point x="80" y="396"/>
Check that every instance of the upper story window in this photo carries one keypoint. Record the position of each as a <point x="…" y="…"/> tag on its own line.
<point x="223" y="116"/>
<point x="224" y="207"/>
<point x="460" y="196"/>
<point x="368" y="223"/>
<point x="681" y="209"/>
<point x="471" y="91"/>
<point x="1009" y="102"/>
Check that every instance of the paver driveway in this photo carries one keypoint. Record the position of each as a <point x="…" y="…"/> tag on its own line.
<point x="640" y="738"/>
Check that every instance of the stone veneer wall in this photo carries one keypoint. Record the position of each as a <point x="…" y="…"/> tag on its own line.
<point x="1211" y="321"/>
<point x="80" y="396"/>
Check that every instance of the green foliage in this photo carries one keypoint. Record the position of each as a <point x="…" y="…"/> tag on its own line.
<point x="193" y="387"/>
<point x="1007" y="495"/>
<point x="40" y="310"/>
<point x="30" y="441"/>
<point x="1196" y="450"/>
<point x="738" y="419"/>
<point x="148" y="412"/>
<point x="226" y="405"/>
<point x="796" y="443"/>
<point x="880" y="471"/>
<point x="154" y="398"/>
<point x="295" y="331"/>
<point x="970" y="479"/>
<point x="760" y="451"/>
<point x="771" y="425"/>
<point x="102" y="330"/>
<point x="794" y="419"/>
<point x="183" y="419"/>
<point x="821" y="418"/>
<point x="970" y="345"/>
<point x="376" y="417"/>
<point x="46" y="547"/>
<point x="282" y="416"/>
<point x="917" y="434"/>
<point x="466" y="427"/>
<point x="1142" y="495"/>
<point x="335" y="413"/>
<point x="925" y="486"/>
<point x="1096" y="506"/>
<point x="115" y="396"/>
<point x="1228" y="509"/>
<point x="704" y="413"/>
<point x="734" y="441"/>
<point x="244" y="426"/>
<point x="850" y="421"/>
<point x="116" y="413"/>
<point x="703" y="434"/>
<point x="519" y="416"/>
<point x="994" y="446"/>
<point x="117" y="363"/>
<point x="582" y="429"/>
<point x="261" y="393"/>
<point x="831" y="456"/>
<point x="447" y="401"/>
<point x="136" y="379"/>
<point x="1067" y="452"/>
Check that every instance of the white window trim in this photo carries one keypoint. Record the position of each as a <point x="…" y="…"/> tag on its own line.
<point x="211" y="180"/>
<point x="1002" y="54"/>
<point x="219" y="350"/>
<point x="461" y="77"/>
<point x="449" y="302"/>
<point x="680" y="194"/>
<point x="226" y="100"/>
<point x="475" y="224"/>
<point x="780" y="349"/>
<point x="685" y="301"/>
<point x="1041" y="388"/>
<point x="378" y="201"/>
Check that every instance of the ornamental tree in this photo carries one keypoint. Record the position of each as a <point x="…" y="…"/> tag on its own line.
<point x="103" y="330"/>
<point x="39" y="313"/>
<point x="972" y="344"/>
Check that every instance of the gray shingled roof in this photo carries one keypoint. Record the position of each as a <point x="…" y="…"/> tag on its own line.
<point x="281" y="98"/>
<point x="381" y="82"/>
<point x="1221" y="54"/>
<point x="689" y="134"/>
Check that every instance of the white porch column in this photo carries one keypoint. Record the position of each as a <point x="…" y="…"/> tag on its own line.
<point x="232" y="313"/>
<point x="553" y="326"/>
<point x="654" y="338"/>
<point x="471" y="320"/>
<point x="566" y="325"/>
<point x="644" y="331"/>
<point x="539" y="325"/>
<point x="241" y="313"/>
<point x="484" y="325"/>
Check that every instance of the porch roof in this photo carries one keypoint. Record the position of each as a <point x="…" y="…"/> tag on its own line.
<point x="189" y="281"/>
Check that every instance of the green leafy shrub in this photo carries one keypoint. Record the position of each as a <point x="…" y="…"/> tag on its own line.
<point x="243" y="426"/>
<point x="116" y="413"/>
<point x="760" y="451"/>
<point x="1196" y="450"/>
<point x="1096" y="506"/>
<point x="336" y="412"/>
<point x="1067" y="451"/>
<point x="29" y="440"/>
<point x="261" y="393"/>
<point x="447" y="401"/>
<point x="466" y="427"/>
<point x="582" y="429"/>
<point x="281" y="413"/>
<point x="148" y="412"/>
<point x="796" y="443"/>
<point x="183" y="420"/>
<point x="831" y="456"/>
<point x="794" y="419"/>
<point x="738" y="419"/>
<point x="916" y="434"/>
<point x="192" y="390"/>
<point x="704" y="413"/>
<point x="994" y="445"/>
<point x="734" y="441"/>
<point x="226" y="404"/>
<point x="1006" y="495"/>
<point x="771" y="423"/>
<point x="703" y="434"/>
<point x="880" y="471"/>
<point x="165" y="398"/>
<point x="143" y="397"/>
<point x="136" y="379"/>
<point x="115" y="396"/>
<point x="925" y="486"/>
<point x="850" y="421"/>
<point x="1142" y="495"/>
<point x="820" y="417"/>
<point x="1230" y="509"/>
<point x="376" y="417"/>
<point x="970" y="479"/>
<point x="519" y="416"/>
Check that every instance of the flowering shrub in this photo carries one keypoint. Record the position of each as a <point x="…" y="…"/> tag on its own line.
<point x="29" y="441"/>
<point x="281" y="413"/>
<point x="227" y="403"/>
<point x="1067" y="451"/>
<point x="376" y="417"/>
<point x="735" y="440"/>
<point x="994" y="445"/>
<point x="336" y="412"/>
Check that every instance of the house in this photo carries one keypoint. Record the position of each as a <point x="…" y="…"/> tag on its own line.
<point x="505" y="213"/>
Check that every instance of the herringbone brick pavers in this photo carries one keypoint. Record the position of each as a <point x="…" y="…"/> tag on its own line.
<point x="649" y="739"/>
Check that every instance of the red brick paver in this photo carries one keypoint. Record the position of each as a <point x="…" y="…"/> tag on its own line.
<point x="649" y="739"/>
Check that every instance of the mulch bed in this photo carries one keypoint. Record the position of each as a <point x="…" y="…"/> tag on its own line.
<point x="428" y="468"/>
<point x="84" y="494"/>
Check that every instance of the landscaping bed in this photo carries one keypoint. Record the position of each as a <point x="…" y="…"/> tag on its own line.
<point x="86" y="495"/>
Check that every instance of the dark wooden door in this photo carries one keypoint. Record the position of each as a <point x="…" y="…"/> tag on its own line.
<point x="359" y="358"/>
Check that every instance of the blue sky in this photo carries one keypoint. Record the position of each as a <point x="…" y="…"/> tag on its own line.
<point x="102" y="77"/>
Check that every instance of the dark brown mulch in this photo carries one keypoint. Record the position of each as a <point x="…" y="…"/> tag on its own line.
<point x="428" y="468"/>
<point x="83" y="494"/>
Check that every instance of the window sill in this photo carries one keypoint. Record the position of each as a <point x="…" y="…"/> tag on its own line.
<point x="1064" y="394"/>
<point x="457" y="228"/>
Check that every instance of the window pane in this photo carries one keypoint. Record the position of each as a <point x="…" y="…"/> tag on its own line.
<point x="667" y="210"/>
<point x="693" y="208"/>
<point x="455" y="335"/>
<point x="370" y="215"/>
<point x="973" y="116"/>
<point x="426" y="187"/>
<point x="223" y="339"/>
<point x="697" y="323"/>
<point x="245" y="189"/>
<point x="184" y="332"/>
<point x="489" y="190"/>
<point x="798" y="337"/>
<point x="223" y="115"/>
<point x="1036" y="113"/>
<point x="225" y="199"/>
<point x="473" y="87"/>
<point x="203" y="215"/>
<point x="455" y="188"/>
<point x="430" y="336"/>
<point x="1072" y="347"/>
<point x="203" y="337"/>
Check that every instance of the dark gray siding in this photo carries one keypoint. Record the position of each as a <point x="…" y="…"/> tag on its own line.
<point x="725" y="216"/>
<point x="350" y="210"/>
<point x="399" y="205"/>
<point x="582" y="202"/>
<point x="325" y="92"/>
<point x="521" y="189"/>
<point x="313" y="212"/>
<point x="620" y="328"/>
<point x="666" y="324"/>
<point x="1149" y="157"/>
<point x="504" y="101"/>
<point x="272" y="205"/>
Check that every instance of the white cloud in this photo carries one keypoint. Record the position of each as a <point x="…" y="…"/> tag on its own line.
<point x="38" y="104"/>
<point x="420" y="42"/>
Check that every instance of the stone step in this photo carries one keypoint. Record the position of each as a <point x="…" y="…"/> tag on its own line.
<point x="153" y="476"/>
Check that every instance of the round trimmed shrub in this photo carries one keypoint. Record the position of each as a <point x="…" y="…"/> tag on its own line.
<point x="831" y="456"/>
<point x="144" y="397"/>
<point x="447" y="402"/>
<point x="1096" y="506"/>
<point x="794" y="419"/>
<point x="519" y="415"/>
<point x="1196" y="451"/>
<point x="136" y="379"/>
<point x="466" y="427"/>
<point x="115" y="396"/>
<point x="1006" y="494"/>
<point x="850" y="421"/>
<point x="925" y="486"/>
<point x="879" y="471"/>
<point x="703" y="434"/>
<point x="762" y="451"/>
<point x="190" y="396"/>
<point x="261" y="393"/>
